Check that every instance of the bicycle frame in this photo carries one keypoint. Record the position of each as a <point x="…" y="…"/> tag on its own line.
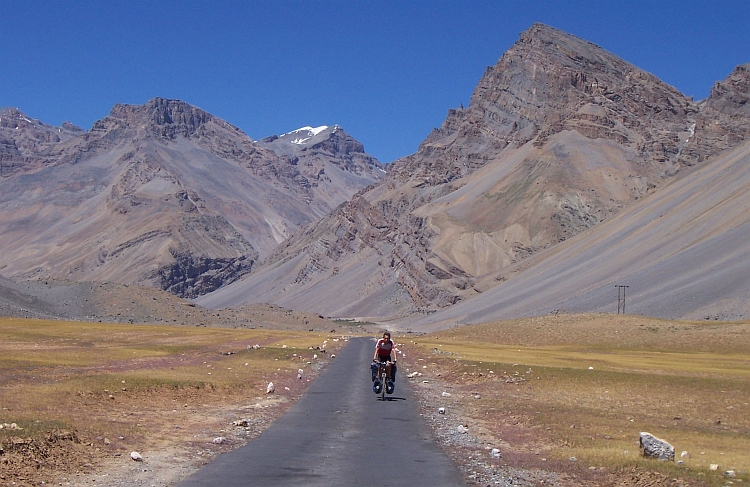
<point x="384" y="371"/>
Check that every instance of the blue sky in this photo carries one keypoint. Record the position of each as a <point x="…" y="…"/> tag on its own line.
<point x="387" y="72"/>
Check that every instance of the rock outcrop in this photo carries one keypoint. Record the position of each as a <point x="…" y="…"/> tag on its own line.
<point x="26" y="143"/>
<point x="724" y="118"/>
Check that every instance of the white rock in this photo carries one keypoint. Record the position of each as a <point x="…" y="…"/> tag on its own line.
<point x="461" y="429"/>
<point x="135" y="456"/>
<point x="684" y="455"/>
<point x="270" y="388"/>
<point x="441" y="410"/>
<point x="218" y="440"/>
<point x="300" y="371"/>
<point x="495" y="453"/>
<point x="315" y="356"/>
<point x="446" y="394"/>
<point x="713" y="466"/>
<point x="333" y="355"/>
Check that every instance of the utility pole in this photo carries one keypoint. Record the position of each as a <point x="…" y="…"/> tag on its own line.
<point x="621" y="298"/>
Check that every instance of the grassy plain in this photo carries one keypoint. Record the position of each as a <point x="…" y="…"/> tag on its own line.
<point x="555" y="388"/>
<point x="81" y="392"/>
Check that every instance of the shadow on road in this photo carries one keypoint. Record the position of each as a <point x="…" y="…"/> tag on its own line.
<point x="392" y="398"/>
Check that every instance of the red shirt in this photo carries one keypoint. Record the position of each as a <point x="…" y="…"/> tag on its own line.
<point x="384" y="347"/>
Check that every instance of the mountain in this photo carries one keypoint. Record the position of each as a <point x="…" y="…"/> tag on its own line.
<point x="162" y="194"/>
<point x="334" y="162"/>
<point x="559" y="136"/>
<point x="683" y="252"/>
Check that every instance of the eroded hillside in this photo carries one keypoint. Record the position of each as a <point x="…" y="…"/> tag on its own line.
<point x="559" y="136"/>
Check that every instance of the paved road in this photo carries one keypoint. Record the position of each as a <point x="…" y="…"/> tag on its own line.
<point x="339" y="434"/>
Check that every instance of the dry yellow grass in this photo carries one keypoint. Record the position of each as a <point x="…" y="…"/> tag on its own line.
<point x="137" y="386"/>
<point x="584" y="386"/>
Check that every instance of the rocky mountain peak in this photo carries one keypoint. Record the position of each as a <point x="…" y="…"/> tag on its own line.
<point x="12" y="117"/>
<point x="166" y="118"/>
<point x="333" y="162"/>
<point x="25" y="142"/>
<point x="331" y="138"/>
<point x="548" y="77"/>
<point x="332" y="143"/>
<point x="547" y="83"/>
<point x="731" y="96"/>
<point x="71" y="127"/>
<point x="724" y="118"/>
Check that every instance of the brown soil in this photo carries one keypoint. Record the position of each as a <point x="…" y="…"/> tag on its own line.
<point x="174" y="431"/>
<point x="521" y="459"/>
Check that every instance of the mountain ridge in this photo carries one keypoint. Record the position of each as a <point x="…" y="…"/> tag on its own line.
<point x="163" y="194"/>
<point x="559" y="136"/>
<point x="560" y="143"/>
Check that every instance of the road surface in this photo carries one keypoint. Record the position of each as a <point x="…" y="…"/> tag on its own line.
<point x="339" y="434"/>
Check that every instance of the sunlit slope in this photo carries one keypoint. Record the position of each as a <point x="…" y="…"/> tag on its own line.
<point x="559" y="136"/>
<point x="684" y="252"/>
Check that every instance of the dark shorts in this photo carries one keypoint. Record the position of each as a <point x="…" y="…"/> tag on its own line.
<point x="393" y="366"/>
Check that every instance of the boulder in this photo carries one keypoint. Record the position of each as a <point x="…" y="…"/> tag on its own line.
<point x="653" y="447"/>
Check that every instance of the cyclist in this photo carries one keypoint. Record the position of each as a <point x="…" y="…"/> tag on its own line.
<point x="385" y="351"/>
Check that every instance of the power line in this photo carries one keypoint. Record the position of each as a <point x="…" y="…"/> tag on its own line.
<point x="621" y="298"/>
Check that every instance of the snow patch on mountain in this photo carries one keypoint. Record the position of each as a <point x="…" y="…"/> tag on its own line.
<point x="307" y="133"/>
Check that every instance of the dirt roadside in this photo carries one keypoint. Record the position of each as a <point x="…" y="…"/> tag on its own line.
<point x="174" y="431"/>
